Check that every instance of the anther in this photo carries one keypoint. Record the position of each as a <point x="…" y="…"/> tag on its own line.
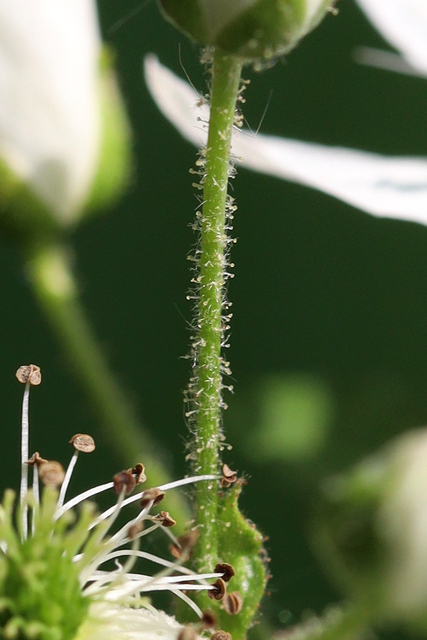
<point x="151" y="495"/>
<point x="165" y="519"/>
<point x="228" y="476"/>
<point x="29" y="373"/>
<point x="221" y="635"/>
<point x="233" y="603"/>
<point x="135" y="530"/>
<point x="218" y="592"/>
<point x="226" y="569"/>
<point x="36" y="459"/>
<point x="185" y="544"/>
<point x="83" y="442"/>
<point x="51" y="474"/>
<point x="123" y="481"/>
<point x="138" y="471"/>
<point x="187" y="633"/>
<point x="208" y="619"/>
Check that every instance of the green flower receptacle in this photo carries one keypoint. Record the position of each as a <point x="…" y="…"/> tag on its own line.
<point x="254" y="30"/>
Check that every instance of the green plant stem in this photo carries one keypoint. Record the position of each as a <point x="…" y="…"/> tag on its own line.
<point x="54" y="286"/>
<point x="212" y="261"/>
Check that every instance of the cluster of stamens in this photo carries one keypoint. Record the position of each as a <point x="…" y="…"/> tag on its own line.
<point x="100" y="546"/>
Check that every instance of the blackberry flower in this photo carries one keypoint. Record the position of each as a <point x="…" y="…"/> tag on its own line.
<point x="56" y="554"/>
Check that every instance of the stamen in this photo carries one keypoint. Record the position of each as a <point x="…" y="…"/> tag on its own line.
<point x="221" y="635"/>
<point x="28" y="375"/>
<point x="138" y="471"/>
<point x="51" y="474"/>
<point x="81" y="497"/>
<point x="151" y="495"/>
<point x="218" y="590"/>
<point x="187" y="633"/>
<point x="35" y="461"/>
<point x="225" y="570"/>
<point x="123" y="482"/>
<point x="135" y="497"/>
<point x="208" y="619"/>
<point x="233" y="603"/>
<point x="228" y="476"/>
<point x="81" y="442"/>
<point x="165" y="519"/>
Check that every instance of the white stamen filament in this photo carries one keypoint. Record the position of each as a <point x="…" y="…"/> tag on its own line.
<point x="24" y="460"/>
<point x="137" y="496"/>
<point x="81" y="497"/>
<point x="67" y="479"/>
<point x="36" y="497"/>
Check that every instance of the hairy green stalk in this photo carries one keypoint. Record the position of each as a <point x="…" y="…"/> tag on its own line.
<point x="205" y="397"/>
<point x="53" y="283"/>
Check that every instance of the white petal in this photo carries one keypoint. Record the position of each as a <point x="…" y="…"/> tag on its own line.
<point x="404" y="24"/>
<point x="385" y="60"/>
<point x="380" y="185"/>
<point x="113" y="622"/>
<point x="49" y="121"/>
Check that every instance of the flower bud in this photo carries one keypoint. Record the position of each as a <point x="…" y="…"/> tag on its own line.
<point x="55" y="115"/>
<point x="254" y="30"/>
<point x="373" y="533"/>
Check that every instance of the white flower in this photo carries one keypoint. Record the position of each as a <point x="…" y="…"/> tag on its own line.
<point x="49" y="108"/>
<point x="110" y="622"/>
<point x="388" y="186"/>
<point x="56" y="579"/>
<point x="374" y="530"/>
<point x="404" y="24"/>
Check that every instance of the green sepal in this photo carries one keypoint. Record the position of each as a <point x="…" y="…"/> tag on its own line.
<point x="268" y="29"/>
<point x="257" y="32"/>
<point x="115" y="156"/>
<point x="240" y="544"/>
<point x="23" y="216"/>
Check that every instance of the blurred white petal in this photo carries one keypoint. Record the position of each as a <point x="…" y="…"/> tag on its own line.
<point x="49" y="120"/>
<point x="386" y="60"/>
<point x="112" y="622"/>
<point x="384" y="186"/>
<point x="404" y="24"/>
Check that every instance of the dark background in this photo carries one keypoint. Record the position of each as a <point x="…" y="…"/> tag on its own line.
<point x="328" y="344"/>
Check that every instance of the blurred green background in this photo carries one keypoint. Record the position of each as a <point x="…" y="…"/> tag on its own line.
<point x="328" y="345"/>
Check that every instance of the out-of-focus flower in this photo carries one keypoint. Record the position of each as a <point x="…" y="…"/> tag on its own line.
<point x="255" y="30"/>
<point x="373" y="531"/>
<point x="404" y="24"/>
<point x="53" y="119"/>
<point x="62" y="577"/>
<point x="387" y="186"/>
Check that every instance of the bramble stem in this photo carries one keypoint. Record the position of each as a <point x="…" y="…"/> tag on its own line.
<point x="55" y="288"/>
<point x="206" y="385"/>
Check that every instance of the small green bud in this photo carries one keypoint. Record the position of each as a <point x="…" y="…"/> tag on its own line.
<point x="255" y="30"/>
<point x="373" y="531"/>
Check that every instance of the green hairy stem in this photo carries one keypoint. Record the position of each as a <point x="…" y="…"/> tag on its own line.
<point x="205" y="393"/>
